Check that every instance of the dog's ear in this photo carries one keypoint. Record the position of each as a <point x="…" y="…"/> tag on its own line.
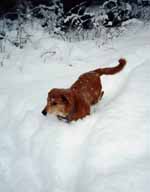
<point x="65" y="98"/>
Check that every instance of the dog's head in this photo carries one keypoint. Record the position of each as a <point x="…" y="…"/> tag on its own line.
<point x="59" y="102"/>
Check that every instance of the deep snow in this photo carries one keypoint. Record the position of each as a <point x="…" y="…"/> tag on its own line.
<point x="107" y="151"/>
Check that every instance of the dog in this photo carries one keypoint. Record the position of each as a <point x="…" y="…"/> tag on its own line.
<point x="74" y="103"/>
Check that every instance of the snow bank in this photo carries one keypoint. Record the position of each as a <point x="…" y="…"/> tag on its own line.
<point x="106" y="151"/>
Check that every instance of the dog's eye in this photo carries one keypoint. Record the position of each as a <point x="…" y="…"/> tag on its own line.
<point x="64" y="99"/>
<point x="54" y="103"/>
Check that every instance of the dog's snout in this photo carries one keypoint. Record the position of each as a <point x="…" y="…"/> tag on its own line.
<point x="44" y="112"/>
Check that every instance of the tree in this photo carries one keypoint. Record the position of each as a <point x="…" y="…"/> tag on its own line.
<point x="72" y="3"/>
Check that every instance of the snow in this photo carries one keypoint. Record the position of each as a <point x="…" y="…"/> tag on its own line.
<point x="106" y="151"/>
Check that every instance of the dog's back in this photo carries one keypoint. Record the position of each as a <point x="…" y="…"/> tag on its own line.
<point x="89" y="84"/>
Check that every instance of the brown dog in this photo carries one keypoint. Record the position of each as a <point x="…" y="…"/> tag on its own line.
<point x="74" y="103"/>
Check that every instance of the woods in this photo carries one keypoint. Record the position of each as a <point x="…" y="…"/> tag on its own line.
<point x="11" y="5"/>
<point x="60" y="17"/>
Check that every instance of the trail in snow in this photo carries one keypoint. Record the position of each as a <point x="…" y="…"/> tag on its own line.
<point x="106" y="151"/>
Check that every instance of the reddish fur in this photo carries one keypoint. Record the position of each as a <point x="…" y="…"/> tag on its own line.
<point x="86" y="91"/>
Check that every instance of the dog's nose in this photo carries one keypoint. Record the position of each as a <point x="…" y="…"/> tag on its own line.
<point x="44" y="112"/>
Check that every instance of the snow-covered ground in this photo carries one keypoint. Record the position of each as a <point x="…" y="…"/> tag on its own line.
<point x="107" y="151"/>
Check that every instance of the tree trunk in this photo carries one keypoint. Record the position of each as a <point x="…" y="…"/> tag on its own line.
<point x="68" y="4"/>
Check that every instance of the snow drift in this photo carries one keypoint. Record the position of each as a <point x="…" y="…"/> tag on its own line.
<point x="106" y="151"/>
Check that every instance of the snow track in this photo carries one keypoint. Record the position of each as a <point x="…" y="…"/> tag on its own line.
<point x="106" y="151"/>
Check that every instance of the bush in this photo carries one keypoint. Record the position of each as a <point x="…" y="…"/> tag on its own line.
<point x="117" y="12"/>
<point x="77" y="19"/>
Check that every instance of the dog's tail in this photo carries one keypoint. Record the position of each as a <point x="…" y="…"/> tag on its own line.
<point x="112" y="70"/>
